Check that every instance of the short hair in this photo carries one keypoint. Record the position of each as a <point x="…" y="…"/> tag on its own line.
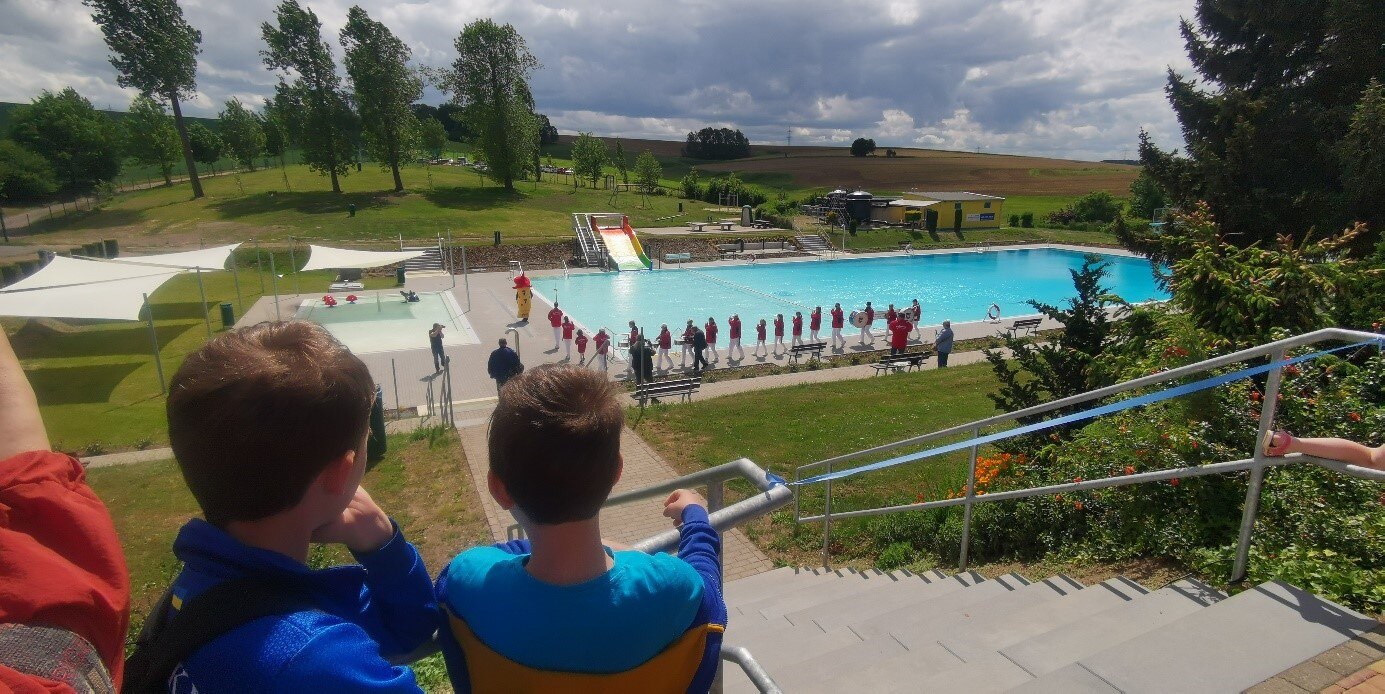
<point x="502" y="342"/>
<point x="555" y="442"/>
<point x="257" y="413"/>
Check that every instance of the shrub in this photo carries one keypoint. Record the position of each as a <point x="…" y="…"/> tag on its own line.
<point x="9" y="274"/>
<point x="1027" y="220"/>
<point x="1099" y="206"/>
<point x="1014" y="220"/>
<point x="896" y="555"/>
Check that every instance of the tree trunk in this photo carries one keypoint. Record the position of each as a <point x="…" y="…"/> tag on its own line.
<point x="167" y="171"/>
<point x="187" y="147"/>
<point x="394" y="168"/>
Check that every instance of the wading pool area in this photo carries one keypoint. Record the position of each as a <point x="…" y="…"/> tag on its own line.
<point x="385" y="322"/>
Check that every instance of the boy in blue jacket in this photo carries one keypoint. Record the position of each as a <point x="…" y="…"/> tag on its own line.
<point x="563" y="610"/>
<point x="269" y="426"/>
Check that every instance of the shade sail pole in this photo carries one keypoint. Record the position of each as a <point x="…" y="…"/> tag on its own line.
<point x="293" y="266"/>
<point x="202" y="290"/>
<point x="259" y="265"/>
<point x="154" y="344"/>
<point x="235" y="277"/>
<point x="274" y="279"/>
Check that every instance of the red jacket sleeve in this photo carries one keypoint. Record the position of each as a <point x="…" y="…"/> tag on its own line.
<point x="62" y="558"/>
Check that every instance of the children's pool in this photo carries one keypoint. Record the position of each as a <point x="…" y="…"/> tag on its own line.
<point x="951" y="286"/>
<point x="384" y="322"/>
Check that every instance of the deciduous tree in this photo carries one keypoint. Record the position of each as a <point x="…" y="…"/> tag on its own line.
<point x="320" y="112"/>
<point x="150" y="136"/>
<point x="589" y="155"/>
<point x="24" y="174"/>
<point x="621" y="163"/>
<point x="862" y="146"/>
<point x="648" y="171"/>
<point x="243" y="132"/>
<point x="434" y="136"/>
<point x="207" y="146"/>
<point x="377" y="63"/>
<point x="490" y="81"/>
<point x="82" y="145"/>
<point x="155" y="51"/>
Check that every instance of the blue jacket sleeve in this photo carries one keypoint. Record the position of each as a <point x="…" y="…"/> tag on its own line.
<point x="400" y="594"/>
<point x="515" y="547"/>
<point x="343" y="659"/>
<point x="700" y="545"/>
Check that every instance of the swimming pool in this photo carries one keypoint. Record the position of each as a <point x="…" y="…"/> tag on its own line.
<point x="953" y="286"/>
<point x="384" y="322"/>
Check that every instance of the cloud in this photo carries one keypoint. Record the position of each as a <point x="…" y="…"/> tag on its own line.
<point x="1075" y="78"/>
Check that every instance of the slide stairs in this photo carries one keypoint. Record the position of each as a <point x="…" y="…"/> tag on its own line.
<point x="815" y="630"/>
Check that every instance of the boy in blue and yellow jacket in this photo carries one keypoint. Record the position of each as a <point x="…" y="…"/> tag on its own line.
<point x="269" y="427"/>
<point x="563" y="610"/>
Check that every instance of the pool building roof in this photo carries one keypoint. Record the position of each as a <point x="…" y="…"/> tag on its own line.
<point x="950" y="196"/>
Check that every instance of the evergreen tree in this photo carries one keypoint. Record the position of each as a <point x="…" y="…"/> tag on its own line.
<point x="151" y="138"/>
<point x="490" y="81"/>
<point x="1363" y="158"/>
<point x="82" y="145"/>
<point x="1281" y="80"/>
<point x="314" y="100"/>
<point x="1146" y="196"/>
<point x="242" y="132"/>
<point x="385" y="86"/>
<point x="154" y="50"/>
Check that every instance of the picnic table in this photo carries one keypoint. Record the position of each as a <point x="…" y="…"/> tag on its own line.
<point x="726" y="225"/>
<point x="697" y="226"/>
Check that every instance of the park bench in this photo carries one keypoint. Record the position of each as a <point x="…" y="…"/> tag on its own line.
<point x="813" y="348"/>
<point x="677" y="257"/>
<point x="697" y="226"/>
<point x="907" y="361"/>
<point x="1029" y="326"/>
<point x="762" y="224"/>
<point x="726" y="224"/>
<point x="654" y="390"/>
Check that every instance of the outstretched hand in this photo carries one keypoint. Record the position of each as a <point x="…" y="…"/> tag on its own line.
<point x="679" y="500"/>
<point x="1277" y="443"/>
<point x="362" y="526"/>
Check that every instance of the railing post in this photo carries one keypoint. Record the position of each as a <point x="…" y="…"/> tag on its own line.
<point x="827" y="520"/>
<point x="1257" y="473"/>
<point x="966" y="510"/>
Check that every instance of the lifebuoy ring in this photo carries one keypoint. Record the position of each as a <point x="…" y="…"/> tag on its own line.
<point x="912" y="314"/>
<point x="858" y="319"/>
<point x="993" y="312"/>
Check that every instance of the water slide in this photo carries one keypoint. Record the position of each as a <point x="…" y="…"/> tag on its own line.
<point x="622" y="244"/>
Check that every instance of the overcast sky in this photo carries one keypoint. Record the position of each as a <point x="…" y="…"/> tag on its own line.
<point x="1067" y="78"/>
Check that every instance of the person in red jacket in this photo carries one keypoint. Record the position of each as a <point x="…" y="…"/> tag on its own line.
<point x="866" y="334"/>
<point x="581" y="341"/>
<point x="555" y="319"/>
<point x="603" y="350"/>
<point x="710" y="330"/>
<point x="778" y="333"/>
<point x="838" y="322"/>
<point x="814" y="323"/>
<point x="568" y="327"/>
<point x="760" y="339"/>
<point x="899" y="328"/>
<point x="890" y="315"/>
<point x="734" y="338"/>
<point x="665" y="344"/>
<point x="64" y="588"/>
<point x="797" y="328"/>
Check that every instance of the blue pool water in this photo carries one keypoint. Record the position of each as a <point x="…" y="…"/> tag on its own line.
<point x="953" y="286"/>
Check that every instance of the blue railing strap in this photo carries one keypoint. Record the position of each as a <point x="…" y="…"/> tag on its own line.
<point x="1094" y="412"/>
<point x="776" y="480"/>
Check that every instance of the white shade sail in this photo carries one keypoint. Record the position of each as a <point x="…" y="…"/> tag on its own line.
<point x="111" y="299"/>
<point x="204" y="258"/>
<point x="63" y="272"/>
<point x="324" y="258"/>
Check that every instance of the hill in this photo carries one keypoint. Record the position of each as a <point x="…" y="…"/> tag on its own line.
<point x="801" y="167"/>
<point x="6" y="107"/>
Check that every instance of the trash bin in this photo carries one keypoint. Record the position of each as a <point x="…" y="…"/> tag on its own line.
<point x="351" y="209"/>
<point x="377" y="444"/>
<point x="497" y="237"/>
<point x="680" y="208"/>
<point x="228" y="316"/>
<point x="399" y="275"/>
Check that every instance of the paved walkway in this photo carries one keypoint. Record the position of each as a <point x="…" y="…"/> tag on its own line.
<point x="1357" y="666"/>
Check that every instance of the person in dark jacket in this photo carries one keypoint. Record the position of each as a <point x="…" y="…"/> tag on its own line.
<point x="699" y="347"/>
<point x="943" y="344"/>
<point x="435" y="342"/>
<point x="503" y="365"/>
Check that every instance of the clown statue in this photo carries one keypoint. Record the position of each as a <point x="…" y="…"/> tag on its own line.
<point x="524" y="295"/>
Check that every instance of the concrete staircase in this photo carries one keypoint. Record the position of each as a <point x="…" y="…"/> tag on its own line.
<point x="430" y="261"/>
<point x="871" y="631"/>
<point x="812" y="243"/>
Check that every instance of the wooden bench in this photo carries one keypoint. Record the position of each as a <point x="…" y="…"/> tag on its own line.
<point x="813" y="348"/>
<point x="1029" y="326"/>
<point x="697" y="226"/>
<point x="907" y="361"/>
<point x="683" y="387"/>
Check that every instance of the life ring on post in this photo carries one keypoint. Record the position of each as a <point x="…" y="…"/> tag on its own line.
<point x="858" y="319"/>
<point x="993" y="313"/>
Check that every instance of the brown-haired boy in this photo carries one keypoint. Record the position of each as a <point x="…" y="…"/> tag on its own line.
<point x="562" y="604"/>
<point x="269" y="426"/>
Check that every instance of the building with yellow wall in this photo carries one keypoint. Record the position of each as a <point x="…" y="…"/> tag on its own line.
<point x="954" y="210"/>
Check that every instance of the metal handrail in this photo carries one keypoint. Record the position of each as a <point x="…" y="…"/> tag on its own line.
<point x="1256" y="465"/>
<point x="752" y="668"/>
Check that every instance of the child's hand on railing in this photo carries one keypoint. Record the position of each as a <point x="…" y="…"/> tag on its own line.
<point x="1277" y="442"/>
<point x="679" y="500"/>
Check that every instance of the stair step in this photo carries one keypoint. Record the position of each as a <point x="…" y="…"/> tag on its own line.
<point x="856" y="608"/>
<point x="927" y="630"/>
<point x="982" y="640"/>
<point x="776" y="656"/>
<point x="1056" y="648"/>
<point x="953" y="604"/>
<point x="903" y="673"/>
<point x="777" y="581"/>
<point x="1234" y="644"/>
<point x="807" y="596"/>
<point x="813" y="674"/>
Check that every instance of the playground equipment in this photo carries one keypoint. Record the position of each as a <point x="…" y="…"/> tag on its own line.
<point x="606" y="239"/>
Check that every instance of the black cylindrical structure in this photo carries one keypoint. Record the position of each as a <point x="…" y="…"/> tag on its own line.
<point x="858" y="205"/>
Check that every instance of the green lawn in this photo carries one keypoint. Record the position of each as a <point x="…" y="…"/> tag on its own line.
<point x="96" y="380"/>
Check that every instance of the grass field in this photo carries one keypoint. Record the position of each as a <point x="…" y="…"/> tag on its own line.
<point x="891" y="239"/>
<point x="783" y="428"/>
<point x="424" y="487"/>
<point x="96" y="380"/>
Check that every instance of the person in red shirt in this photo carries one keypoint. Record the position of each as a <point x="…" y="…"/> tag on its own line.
<point x="665" y="343"/>
<point x="890" y="315"/>
<point x="915" y="314"/>
<point x="555" y="319"/>
<point x="687" y="342"/>
<point x="581" y="348"/>
<point x="865" y="331"/>
<point x="797" y="328"/>
<point x="838" y="321"/>
<point x="760" y="339"/>
<point x="603" y="350"/>
<point x="814" y="323"/>
<point x="734" y="337"/>
<point x="778" y="333"/>
<point x="567" y="337"/>
<point x="710" y="330"/>
<point x="899" y="328"/>
<point x="64" y="589"/>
